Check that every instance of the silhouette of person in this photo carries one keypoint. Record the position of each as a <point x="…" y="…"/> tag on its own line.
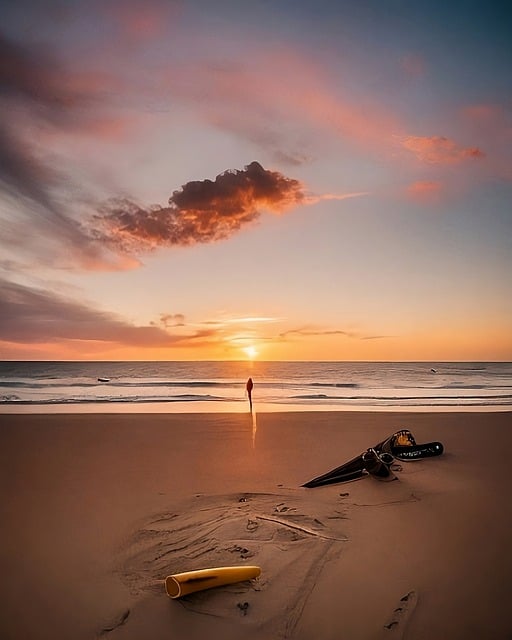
<point x="249" y="387"/>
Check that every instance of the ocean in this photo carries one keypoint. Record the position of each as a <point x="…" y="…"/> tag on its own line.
<point x="278" y="386"/>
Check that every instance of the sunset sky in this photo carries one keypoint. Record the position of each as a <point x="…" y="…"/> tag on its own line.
<point x="275" y="179"/>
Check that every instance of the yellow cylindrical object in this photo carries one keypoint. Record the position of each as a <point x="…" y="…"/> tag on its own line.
<point x="181" y="584"/>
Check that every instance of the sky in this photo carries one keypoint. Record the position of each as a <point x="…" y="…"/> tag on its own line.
<point x="272" y="180"/>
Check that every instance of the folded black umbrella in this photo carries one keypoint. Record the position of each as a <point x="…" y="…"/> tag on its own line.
<point x="417" y="451"/>
<point x="376" y="460"/>
<point x="378" y="464"/>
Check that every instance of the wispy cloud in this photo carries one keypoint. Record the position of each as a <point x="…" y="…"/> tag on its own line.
<point x="315" y="199"/>
<point x="440" y="150"/>
<point x="495" y="116"/>
<point x="250" y="320"/>
<point x="140" y="20"/>
<point x="29" y="82"/>
<point x="306" y="332"/>
<point x="281" y="99"/>
<point x="38" y="94"/>
<point x="31" y="315"/>
<point x="491" y="123"/>
<point x="425" y="190"/>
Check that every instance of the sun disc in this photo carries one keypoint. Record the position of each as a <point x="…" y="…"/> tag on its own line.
<point x="250" y="352"/>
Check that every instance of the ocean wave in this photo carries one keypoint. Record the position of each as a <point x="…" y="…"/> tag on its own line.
<point x="507" y="398"/>
<point x="308" y="384"/>
<point x="112" y="383"/>
<point x="338" y="385"/>
<point x="185" y="397"/>
<point x="456" y="385"/>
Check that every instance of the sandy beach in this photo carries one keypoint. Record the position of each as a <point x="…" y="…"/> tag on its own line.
<point x="98" y="509"/>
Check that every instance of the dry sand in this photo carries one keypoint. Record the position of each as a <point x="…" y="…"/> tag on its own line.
<point x="98" y="509"/>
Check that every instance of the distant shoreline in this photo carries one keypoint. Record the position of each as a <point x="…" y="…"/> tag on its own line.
<point x="202" y="408"/>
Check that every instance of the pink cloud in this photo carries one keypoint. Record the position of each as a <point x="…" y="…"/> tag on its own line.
<point x="280" y="85"/>
<point x="493" y="121"/>
<point x="483" y="112"/>
<point x="492" y="125"/>
<point x="284" y="86"/>
<point x="440" y="150"/>
<point x="142" y="20"/>
<point x="424" y="190"/>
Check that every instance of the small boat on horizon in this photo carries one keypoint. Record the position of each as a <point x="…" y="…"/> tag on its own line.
<point x="103" y="379"/>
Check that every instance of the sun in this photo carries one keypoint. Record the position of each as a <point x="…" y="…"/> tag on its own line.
<point x="250" y="352"/>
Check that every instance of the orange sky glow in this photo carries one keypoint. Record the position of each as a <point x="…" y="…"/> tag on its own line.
<point x="197" y="182"/>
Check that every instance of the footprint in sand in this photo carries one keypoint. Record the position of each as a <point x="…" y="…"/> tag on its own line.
<point x="243" y="606"/>
<point x="242" y="551"/>
<point x="119" y="621"/>
<point x="282" y="533"/>
<point x="396" y="626"/>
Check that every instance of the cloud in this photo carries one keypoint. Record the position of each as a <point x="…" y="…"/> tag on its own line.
<point x="172" y="320"/>
<point x="249" y="319"/>
<point x="314" y="199"/>
<point x="310" y="331"/>
<point x="31" y="74"/>
<point x="486" y="114"/>
<point x="30" y="315"/>
<point x="424" y="190"/>
<point x="281" y="99"/>
<point x="140" y="20"/>
<point x="28" y="83"/>
<point x="37" y="96"/>
<point x="440" y="150"/>
<point x="39" y="91"/>
<point x="200" y="212"/>
<point x="491" y="123"/>
<point x="288" y="118"/>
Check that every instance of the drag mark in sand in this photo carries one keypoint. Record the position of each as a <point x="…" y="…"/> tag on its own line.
<point x="396" y="627"/>
<point x="411" y="498"/>
<point x="282" y="533"/>
<point x="307" y="530"/>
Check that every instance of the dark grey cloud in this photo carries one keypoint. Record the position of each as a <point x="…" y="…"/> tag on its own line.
<point x="30" y="315"/>
<point x="33" y="89"/>
<point x="172" y="320"/>
<point x="31" y="73"/>
<point x="38" y="94"/>
<point x="200" y="212"/>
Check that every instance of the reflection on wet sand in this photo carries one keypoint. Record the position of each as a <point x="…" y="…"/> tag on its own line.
<point x="254" y="429"/>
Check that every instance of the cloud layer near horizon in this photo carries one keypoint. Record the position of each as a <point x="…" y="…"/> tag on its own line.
<point x="30" y="315"/>
<point x="35" y="316"/>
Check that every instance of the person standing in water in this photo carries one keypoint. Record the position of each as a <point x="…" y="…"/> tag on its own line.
<point x="249" y="387"/>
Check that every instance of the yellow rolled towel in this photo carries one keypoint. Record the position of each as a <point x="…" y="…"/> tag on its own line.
<point x="181" y="584"/>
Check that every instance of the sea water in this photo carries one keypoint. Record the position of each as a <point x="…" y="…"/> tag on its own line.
<point x="280" y="386"/>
